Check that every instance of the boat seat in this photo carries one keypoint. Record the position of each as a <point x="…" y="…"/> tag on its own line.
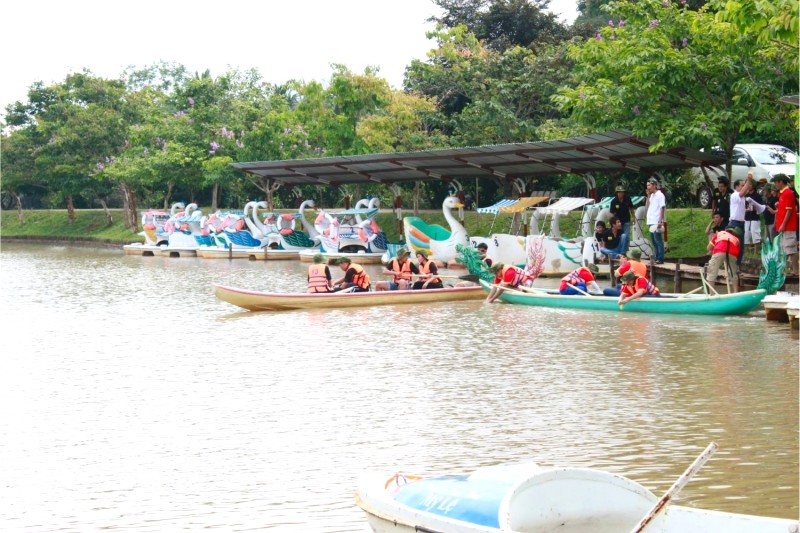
<point x="572" y="500"/>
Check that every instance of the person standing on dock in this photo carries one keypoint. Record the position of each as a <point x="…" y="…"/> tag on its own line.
<point x="715" y="225"/>
<point x="771" y="201"/>
<point x="622" y="208"/>
<point x="721" y="201"/>
<point x="656" y="215"/>
<point x="724" y="248"/>
<point x="752" y="221"/>
<point x="738" y="206"/>
<point x="786" y="219"/>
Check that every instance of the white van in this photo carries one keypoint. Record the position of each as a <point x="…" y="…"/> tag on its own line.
<point x="764" y="160"/>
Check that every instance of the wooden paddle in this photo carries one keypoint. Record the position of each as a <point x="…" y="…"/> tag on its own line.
<point x="675" y="488"/>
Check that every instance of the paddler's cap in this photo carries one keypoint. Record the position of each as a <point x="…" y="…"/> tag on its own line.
<point x="423" y="253"/>
<point x="619" y="188"/>
<point x="630" y="275"/>
<point x="319" y="258"/>
<point x="635" y="254"/>
<point x="736" y="230"/>
<point x="495" y="268"/>
<point x="592" y="268"/>
<point x="401" y="252"/>
<point x="343" y="260"/>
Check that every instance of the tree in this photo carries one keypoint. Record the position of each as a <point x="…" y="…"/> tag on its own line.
<point x="680" y="76"/>
<point x="503" y="24"/>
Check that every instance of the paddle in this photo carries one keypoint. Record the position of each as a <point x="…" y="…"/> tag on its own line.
<point x="675" y="488"/>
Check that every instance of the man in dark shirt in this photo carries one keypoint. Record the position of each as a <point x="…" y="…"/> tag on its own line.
<point x="613" y="242"/>
<point x="721" y="201"/>
<point x="622" y="208"/>
<point x="752" y="222"/>
<point x="771" y="201"/>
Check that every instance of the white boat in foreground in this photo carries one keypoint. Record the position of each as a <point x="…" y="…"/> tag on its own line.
<point x="525" y="497"/>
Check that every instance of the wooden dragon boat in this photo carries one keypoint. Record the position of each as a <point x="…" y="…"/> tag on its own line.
<point x="527" y="497"/>
<point x="276" y="301"/>
<point x="739" y="303"/>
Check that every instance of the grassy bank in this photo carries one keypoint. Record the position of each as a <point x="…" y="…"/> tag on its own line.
<point x="686" y="237"/>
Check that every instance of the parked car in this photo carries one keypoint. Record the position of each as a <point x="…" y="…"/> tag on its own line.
<point x="764" y="160"/>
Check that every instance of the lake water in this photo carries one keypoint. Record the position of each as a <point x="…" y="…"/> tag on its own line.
<point x="134" y="400"/>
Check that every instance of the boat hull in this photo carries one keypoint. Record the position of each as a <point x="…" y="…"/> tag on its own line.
<point x="270" y="301"/>
<point x="694" y="304"/>
<point x="525" y="497"/>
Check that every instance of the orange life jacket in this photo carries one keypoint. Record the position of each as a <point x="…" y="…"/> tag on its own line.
<point x="317" y="280"/>
<point x="426" y="269"/>
<point x="639" y="268"/>
<point x="360" y="278"/>
<point x="649" y="288"/>
<point x="405" y="270"/>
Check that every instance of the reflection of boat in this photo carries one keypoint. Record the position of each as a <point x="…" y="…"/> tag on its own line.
<point x="738" y="303"/>
<point x="438" y="242"/>
<point x="276" y="301"/>
<point x="526" y="497"/>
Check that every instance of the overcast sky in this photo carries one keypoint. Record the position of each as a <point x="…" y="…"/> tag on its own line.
<point x="298" y="39"/>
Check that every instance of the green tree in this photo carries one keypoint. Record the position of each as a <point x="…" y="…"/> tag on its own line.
<point x="680" y="76"/>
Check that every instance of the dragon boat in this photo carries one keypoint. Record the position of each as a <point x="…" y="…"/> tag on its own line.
<point x="277" y="301"/>
<point x="738" y="303"/>
<point x="526" y="497"/>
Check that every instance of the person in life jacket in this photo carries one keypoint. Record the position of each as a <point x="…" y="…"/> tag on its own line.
<point x="428" y="270"/>
<point x="577" y="281"/>
<point x="724" y="247"/>
<point x="354" y="276"/>
<point x="401" y="269"/>
<point x="319" y="275"/>
<point x="506" y="276"/>
<point x="634" y="287"/>
<point x="628" y="262"/>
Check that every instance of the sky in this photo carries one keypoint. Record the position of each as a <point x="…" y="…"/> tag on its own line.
<point x="299" y="39"/>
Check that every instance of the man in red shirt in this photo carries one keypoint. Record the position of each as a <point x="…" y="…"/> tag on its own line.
<point x="506" y="276"/>
<point x="786" y="219"/>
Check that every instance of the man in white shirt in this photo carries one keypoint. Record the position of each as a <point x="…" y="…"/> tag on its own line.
<point x="656" y="213"/>
<point x="738" y="207"/>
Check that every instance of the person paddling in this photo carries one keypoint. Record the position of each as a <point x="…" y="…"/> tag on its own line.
<point x="401" y="269"/>
<point x="576" y="282"/>
<point x="429" y="271"/>
<point x="634" y="287"/>
<point x="319" y="275"/>
<point x="354" y="276"/>
<point x="506" y="276"/>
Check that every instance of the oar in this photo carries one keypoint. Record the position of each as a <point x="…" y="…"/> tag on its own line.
<point x="675" y="488"/>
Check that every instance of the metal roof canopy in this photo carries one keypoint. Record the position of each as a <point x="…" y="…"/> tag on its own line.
<point x="613" y="151"/>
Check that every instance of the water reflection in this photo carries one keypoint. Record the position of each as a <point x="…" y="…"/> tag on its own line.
<point x="136" y="400"/>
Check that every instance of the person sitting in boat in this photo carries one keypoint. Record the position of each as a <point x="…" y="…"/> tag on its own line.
<point x="632" y="261"/>
<point x="354" y="276"/>
<point x="428" y="272"/>
<point x="482" y="251"/>
<point x="577" y="281"/>
<point x="634" y="287"/>
<point x="506" y="276"/>
<point x="319" y="275"/>
<point x="724" y="247"/>
<point x="402" y="269"/>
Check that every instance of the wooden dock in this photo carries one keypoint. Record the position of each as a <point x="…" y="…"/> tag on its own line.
<point x="783" y="307"/>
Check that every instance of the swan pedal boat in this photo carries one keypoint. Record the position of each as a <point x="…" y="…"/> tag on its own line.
<point x="739" y="303"/>
<point x="277" y="301"/>
<point x="525" y="497"/>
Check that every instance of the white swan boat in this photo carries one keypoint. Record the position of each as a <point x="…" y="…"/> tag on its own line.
<point x="438" y="242"/>
<point x="153" y="223"/>
<point x="525" y="497"/>
<point x="561" y="255"/>
<point x="350" y="233"/>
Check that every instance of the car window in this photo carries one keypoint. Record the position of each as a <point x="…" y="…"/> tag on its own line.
<point x="738" y="154"/>
<point x="774" y="155"/>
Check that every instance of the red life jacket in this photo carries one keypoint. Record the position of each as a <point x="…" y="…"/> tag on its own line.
<point x="519" y="275"/>
<point x="726" y="243"/>
<point x="317" y="280"/>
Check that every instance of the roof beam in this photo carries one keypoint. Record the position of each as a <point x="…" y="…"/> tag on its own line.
<point x="309" y="176"/>
<point x="545" y="163"/>
<point x="418" y="169"/>
<point x="618" y="160"/>
<point x="488" y="169"/>
<point x="370" y="177"/>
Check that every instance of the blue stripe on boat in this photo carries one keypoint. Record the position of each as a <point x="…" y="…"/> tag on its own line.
<point x="457" y="498"/>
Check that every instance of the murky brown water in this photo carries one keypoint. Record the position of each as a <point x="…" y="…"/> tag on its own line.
<point x="134" y="400"/>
